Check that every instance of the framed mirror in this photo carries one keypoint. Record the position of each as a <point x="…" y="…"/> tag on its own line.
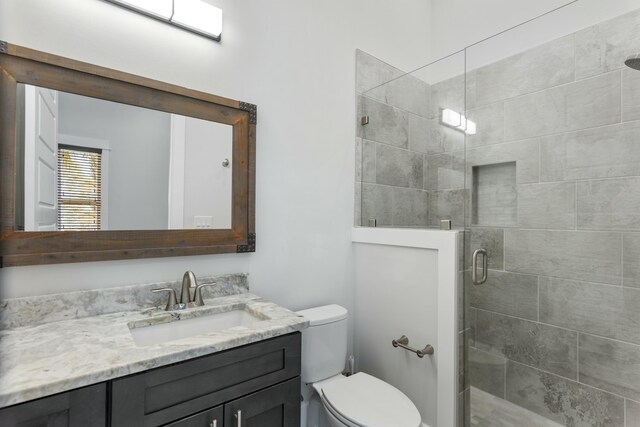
<point x="98" y="164"/>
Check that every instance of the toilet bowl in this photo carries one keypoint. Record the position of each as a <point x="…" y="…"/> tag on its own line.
<point x="355" y="401"/>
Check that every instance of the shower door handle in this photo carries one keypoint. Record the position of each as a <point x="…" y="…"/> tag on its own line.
<point x="474" y="267"/>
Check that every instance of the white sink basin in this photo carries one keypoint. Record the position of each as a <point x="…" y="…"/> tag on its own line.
<point x="177" y="329"/>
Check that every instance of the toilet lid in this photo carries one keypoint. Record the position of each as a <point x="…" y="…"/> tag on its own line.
<point x="368" y="401"/>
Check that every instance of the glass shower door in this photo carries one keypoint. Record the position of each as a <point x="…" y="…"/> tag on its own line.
<point x="552" y="174"/>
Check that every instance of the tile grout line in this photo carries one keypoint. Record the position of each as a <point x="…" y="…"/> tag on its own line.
<point x="568" y="379"/>
<point x="523" y="319"/>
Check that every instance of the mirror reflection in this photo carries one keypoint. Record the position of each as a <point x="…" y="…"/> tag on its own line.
<point x="91" y="164"/>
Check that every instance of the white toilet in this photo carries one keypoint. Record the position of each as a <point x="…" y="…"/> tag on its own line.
<point x="355" y="401"/>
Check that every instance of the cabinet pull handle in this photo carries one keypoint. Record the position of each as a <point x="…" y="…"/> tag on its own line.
<point x="239" y="418"/>
<point x="214" y="423"/>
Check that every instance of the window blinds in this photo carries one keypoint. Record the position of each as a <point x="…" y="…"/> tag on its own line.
<point x="79" y="188"/>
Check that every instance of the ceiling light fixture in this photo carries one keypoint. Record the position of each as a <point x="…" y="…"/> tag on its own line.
<point x="196" y="16"/>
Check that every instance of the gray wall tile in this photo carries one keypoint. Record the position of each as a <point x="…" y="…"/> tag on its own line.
<point x="444" y="171"/>
<point x="551" y="205"/>
<point x="610" y="365"/>
<point x="386" y="124"/>
<point x="463" y="303"/>
<point x="463" y="360"/>
<point x="630" y="94"/>
<point x="472" y="316"/>
<point x="564" y="401"/>
<point x="447" y="204"/>
<point x="495" y="197"/>
<point x="525" y="153"/>
<point x="357" y="211"/>
<point x="358" y="159"/>
<point x="489" y="121"/>
<point x="464" y="409"/>
<point x="580" y="105"/>
<point x="491" y="239"/>
<point x="605" y="46"/>
<point x="542" y="67"/>
<point x="507" y="293"/>
<point x="609" y="204"/>
<point x="487" y="371"/>
<point x="398" y="167"/>
<point x="405" y="92"/>
<point x="448" y="94"/>
<point x="429" y="136"/>
<point x="605" y="310"/>
<point x="604" y="152"/>
<point x="631" y="255"/>
<point x="368" y="156"/>
<point x="632" y="411"/>
<point x="410" y="207"/>
<point x="594" y="256"/>
<point x="540" y="346"/>
<point x="371" y="72"/>
<point x="419" y="129"/>
<point x="377" y="202"/>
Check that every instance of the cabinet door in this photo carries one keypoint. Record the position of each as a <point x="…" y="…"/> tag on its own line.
<point x="276" y="406"/>
<point x="162" y="395"/>
<point x="208" y="418"/>
<point x="84" y="407"/>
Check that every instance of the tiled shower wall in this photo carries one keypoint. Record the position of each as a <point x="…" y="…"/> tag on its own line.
<point x="553" y="184"/>
<point x="401" y="147"/>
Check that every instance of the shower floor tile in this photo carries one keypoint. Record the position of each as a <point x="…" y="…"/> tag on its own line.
<point x="488" y="410"/>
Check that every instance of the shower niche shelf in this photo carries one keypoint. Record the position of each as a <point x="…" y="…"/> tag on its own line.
<point x="495" y="195"/>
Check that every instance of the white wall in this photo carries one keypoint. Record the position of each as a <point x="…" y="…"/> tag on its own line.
<point x="396" y="294"/>
<point x="296" y="61"/>
<point x="457" y="24"/>
<point x="207" y="184"/>
<point x="138" y="177"/>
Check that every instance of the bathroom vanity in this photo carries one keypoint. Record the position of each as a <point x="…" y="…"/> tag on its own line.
<point x="95" y="370"/>
<point x="255" y="384"/>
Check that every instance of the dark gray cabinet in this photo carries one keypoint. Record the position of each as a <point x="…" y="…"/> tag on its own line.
<point x="84" y="407"/>
<point x="209" y="418"/>
<point x="163" y="395"/>
<point x="275" y="406"/>
<point x="260" y="382"/>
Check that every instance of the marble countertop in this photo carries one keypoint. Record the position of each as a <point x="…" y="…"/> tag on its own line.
<point x="43" y="359"/>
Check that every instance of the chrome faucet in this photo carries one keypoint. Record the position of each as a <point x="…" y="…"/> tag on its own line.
<point x="189" y="281"/>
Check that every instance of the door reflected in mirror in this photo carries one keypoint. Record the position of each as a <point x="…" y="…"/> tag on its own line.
<point x="90" y="164"/>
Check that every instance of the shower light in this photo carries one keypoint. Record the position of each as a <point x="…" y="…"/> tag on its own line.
<point x="196" y="16"/>
<point x="458" y="121"/>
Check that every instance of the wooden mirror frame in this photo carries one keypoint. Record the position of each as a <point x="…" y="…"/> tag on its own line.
<point x="23" y="65"/>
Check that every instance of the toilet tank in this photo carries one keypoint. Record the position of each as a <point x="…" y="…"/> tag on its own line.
<point x="324" y="342"/>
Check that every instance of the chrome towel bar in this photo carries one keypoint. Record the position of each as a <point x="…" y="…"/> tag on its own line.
<point x="403" y="342"/>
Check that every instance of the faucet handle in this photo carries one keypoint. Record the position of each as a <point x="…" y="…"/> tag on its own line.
<point x="198" y="295"/>
<point x="172" y="297"/>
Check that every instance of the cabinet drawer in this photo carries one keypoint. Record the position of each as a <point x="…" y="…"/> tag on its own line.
<point x="173" y="392"/>
<point x="84" y="407"/>
<point x="276" y="406"/>
<point x="209" y="418"/>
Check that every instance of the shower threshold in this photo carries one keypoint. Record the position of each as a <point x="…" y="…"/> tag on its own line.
<point x="488" y="410"/>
